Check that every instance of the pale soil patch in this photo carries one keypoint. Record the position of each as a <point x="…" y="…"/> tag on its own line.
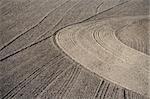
<point x="95" y="46"/>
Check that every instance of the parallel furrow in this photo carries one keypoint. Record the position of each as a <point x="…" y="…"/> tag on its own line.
<point x="36" y="25"/>
<point x="27" y="80"/>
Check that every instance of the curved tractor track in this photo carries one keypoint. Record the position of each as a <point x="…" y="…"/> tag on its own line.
<point x="95" y="46"/>
<point x="74" y="49"/>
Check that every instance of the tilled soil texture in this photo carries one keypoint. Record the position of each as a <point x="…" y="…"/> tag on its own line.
<point x="96" y="46"/>
<point x="34" y="66"/>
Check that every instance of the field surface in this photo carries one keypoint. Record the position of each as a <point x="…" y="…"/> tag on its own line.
<point x="74" y="49"/>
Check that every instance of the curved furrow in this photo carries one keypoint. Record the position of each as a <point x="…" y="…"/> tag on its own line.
<point x="113" y="50"/>
<point x="43" y="43"/>
<point x="108" y="47"/>
<point x="137" y="32"/>
<point x="68" y="83"/>
<point x="57" y="89"/>
<point x="22" y="41"/>
<point x="97" y="48"/>
<point x="116" y="48"/>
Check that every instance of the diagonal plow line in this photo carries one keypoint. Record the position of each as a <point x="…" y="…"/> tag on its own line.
<point x="34" y="43"/>
<point x="40" y="35"/>
<point x="27" y="80"/>
<point x="16" y="37"/>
